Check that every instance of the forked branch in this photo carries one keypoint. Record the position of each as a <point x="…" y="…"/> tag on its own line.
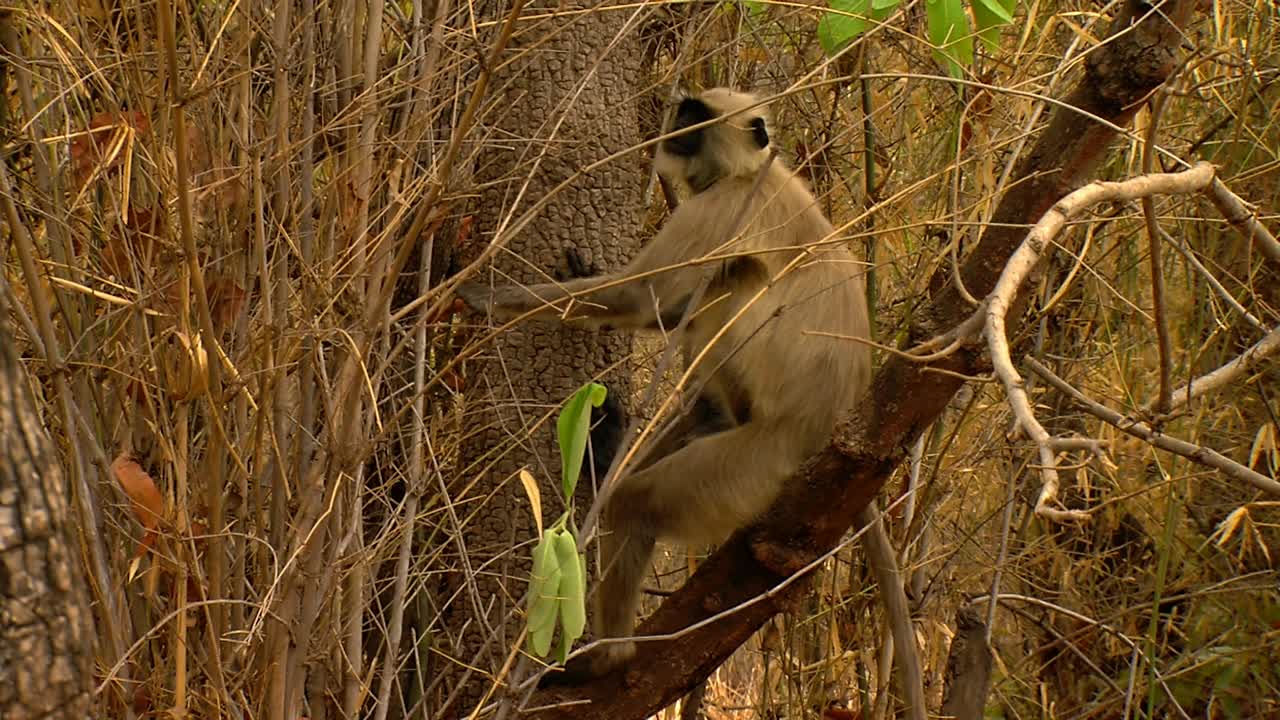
<point x="1017" y="270"/>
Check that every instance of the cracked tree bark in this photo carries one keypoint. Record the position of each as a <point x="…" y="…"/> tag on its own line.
<point x="1139" y="55"/>
<point x="45" y="638"/>
<point x="969" y="664"/>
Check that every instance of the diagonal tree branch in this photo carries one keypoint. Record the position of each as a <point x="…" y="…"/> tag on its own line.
<point x="905" y="397"/>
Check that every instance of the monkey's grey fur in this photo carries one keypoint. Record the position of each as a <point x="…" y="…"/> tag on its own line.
<point x="771" y="392"/>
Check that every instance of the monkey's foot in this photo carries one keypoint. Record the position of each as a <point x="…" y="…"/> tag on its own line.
<point x="597" y="663"/>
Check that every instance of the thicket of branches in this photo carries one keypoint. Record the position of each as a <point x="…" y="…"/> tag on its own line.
<point x="229" y="235"/>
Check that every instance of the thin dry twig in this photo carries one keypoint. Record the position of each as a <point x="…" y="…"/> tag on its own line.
<point x="1161" y="320"/>
<point x="1230" y="372"/>
<point x="1197" y="453"/>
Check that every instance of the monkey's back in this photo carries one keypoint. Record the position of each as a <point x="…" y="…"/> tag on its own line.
<point x="785" y="310"/>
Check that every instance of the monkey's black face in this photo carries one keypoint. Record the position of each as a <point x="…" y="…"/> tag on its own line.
<point x="692" y="111"/>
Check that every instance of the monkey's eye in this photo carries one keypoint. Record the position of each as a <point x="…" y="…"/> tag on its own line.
<point x="759" y="132"/>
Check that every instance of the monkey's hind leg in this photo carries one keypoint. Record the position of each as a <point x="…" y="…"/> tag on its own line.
<point x="698" y="494"/>
<point x="626" y="554"/>
<point x="697" y="486"/>
<point x="716" y="484"/>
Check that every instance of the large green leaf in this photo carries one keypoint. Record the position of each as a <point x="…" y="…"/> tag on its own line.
<point x="837" y="29"/>
<point x="572" y="428"/>
<point x="949" y="33"/>
<point x="989" y="15"/>
<point x="848" y="19"/>
<point x="573" y="591"/>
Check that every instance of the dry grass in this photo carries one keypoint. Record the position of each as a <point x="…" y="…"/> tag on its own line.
<point x="259" y="386"/>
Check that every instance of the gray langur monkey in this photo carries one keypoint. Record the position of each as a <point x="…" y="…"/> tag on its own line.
<point x="771" y="382"/>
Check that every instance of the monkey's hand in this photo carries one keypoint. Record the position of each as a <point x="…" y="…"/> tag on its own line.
<point x="475" y="295"/>
<point x="507" y="301"/>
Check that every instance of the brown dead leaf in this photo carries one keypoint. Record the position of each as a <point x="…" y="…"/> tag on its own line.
<point x="226" y="299"/>
<point x="456" y="307"/>
<point x="142" y="700"/>
<point x="977" y="115"/>
<point x="464" y="231"/>
<point x="104" y="141"/>
<point x="454" y="381"/>
<point x="148" y="503"/>
<point x="836" y="710"/>
<point x="136" y="238"/>
<point x="225" y="296"/>
<point x="186" y="366"/>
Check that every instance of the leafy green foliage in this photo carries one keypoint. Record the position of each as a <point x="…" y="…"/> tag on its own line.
<point x="989" y="16"/>
<point x="544" y="586"/>
<point x="558" y="584"/>
<point x="572" y="592"/>
<point x="949" y="26"/>
<point x="850" y="18"/>
<point x="949" y="33"/>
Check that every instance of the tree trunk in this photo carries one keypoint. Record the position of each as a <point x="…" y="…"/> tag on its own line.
<point x="45" y="640"/>
<point x="565" y="70"/>
<point x="968" y="668"/>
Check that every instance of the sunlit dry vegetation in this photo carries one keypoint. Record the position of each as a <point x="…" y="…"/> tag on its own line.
<point x="229" y="236"/>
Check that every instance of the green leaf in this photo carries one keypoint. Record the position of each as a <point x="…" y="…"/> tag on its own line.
<point x="572" y="428"/>
<point x="838" y="29"/>
<point x="848" y="19"/>
<point x="989" y="15"/>
<point x="949" y="33"/>
<point x="544" y="597"/>
<point x="754" y="7"/>
<point x="573" y="591"/>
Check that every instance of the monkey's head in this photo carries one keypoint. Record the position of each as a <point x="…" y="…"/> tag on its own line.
<point x="735" y="146"/>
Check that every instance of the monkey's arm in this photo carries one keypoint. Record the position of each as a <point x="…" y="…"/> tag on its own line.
<point x="651" y="291"/>
<point x="635" y="298"/>
<point x="605" y="300"/>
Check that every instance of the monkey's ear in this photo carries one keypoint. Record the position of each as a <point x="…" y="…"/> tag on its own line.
<point x="759" y="132"/>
